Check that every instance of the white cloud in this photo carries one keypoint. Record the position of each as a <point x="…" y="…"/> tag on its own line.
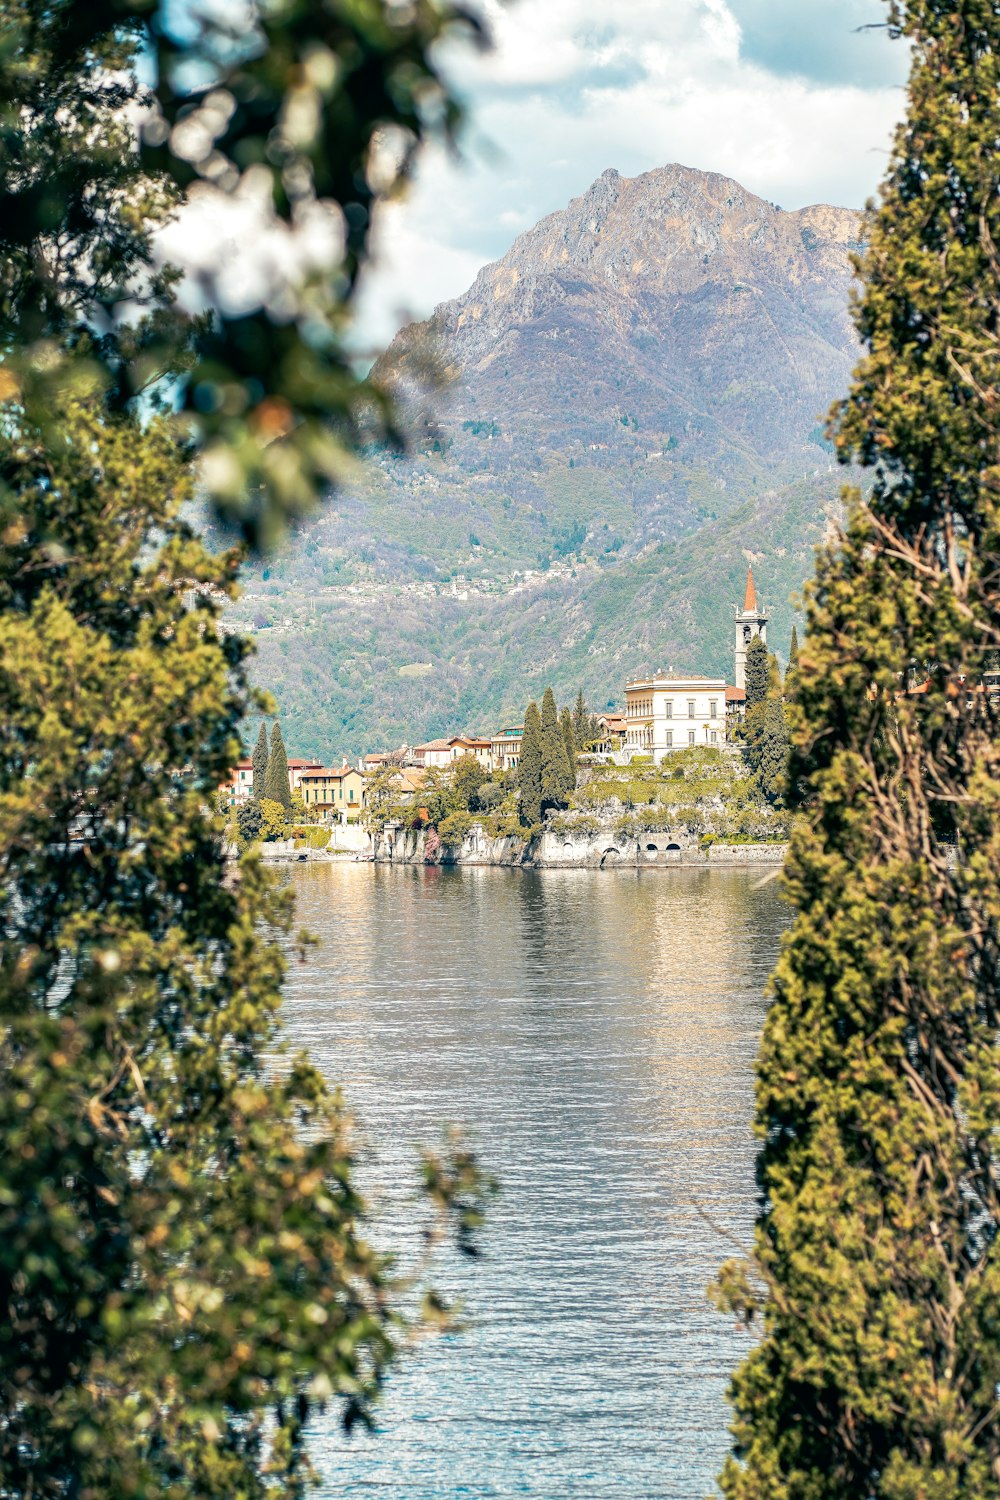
<point x="575" y="86"/>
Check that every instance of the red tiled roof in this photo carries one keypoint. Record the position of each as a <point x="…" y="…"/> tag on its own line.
<point x="331" y="773"/>
<point x="436" y="744"/>
<point x="735" y="695"/>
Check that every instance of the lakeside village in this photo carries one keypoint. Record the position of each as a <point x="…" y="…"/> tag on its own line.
<point x="693" y="764"/>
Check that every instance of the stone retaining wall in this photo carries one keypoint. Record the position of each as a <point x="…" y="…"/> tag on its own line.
<point x="553" y="851"/>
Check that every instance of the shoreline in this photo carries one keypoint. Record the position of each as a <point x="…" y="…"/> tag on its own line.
<point x="548" y="851"/>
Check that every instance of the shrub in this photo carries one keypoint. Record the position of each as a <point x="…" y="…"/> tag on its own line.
<point x="453" y="829"/>
<point x="248" y="820"/>
<point x="272" y="820"/>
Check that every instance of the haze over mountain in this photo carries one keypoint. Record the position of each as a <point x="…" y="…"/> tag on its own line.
<point x="633" y="403"/>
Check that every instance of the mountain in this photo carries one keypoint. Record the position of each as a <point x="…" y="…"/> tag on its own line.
<point x="624" y="408"/>
<point x="671" y="325"/>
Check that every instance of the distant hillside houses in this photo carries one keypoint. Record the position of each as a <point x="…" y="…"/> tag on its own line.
<point x="664" y="712"/>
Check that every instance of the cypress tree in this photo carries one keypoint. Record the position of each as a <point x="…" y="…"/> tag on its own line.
<point x="878" y="1241"/>
<point x="792" y="674"/>
<point x="767" y="747"/>
<point x="555" y="766"/>
<point x="581" y="723"/>
<point x="793" y="651"/>
<point x="276" y="786"/>
<point x="260" y="757"/>
<point x="529" y="768"/>
<point x="569" y="740"/>
<point x="758" y="672"/>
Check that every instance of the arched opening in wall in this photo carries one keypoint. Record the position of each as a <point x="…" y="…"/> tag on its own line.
<point x="567" y="850"/>
<point x="652" y="848"/>
<point x="673" y="848"/>
<point x="610" y="857"/>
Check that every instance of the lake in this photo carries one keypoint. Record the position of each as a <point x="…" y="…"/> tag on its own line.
<point x="595" y="1035"/>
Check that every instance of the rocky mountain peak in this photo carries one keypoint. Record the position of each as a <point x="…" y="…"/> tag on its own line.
<point x="678" y="296"/>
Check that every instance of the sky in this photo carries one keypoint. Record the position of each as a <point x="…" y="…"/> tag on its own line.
<point x="796" y="99"/>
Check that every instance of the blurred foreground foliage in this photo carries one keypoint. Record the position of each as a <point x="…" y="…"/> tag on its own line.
<point x="310" y="111"/>
<point x="183" y="1272"/>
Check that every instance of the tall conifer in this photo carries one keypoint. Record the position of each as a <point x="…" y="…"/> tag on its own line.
<point x="529" y="768"/>
<point x="581" y="722"/>
<point x="260" y="758"/>
<point x="792" y="673"/>
<point x="758" y="672"/>
<point x="276" y="781"/>
<point x="878" y="1242"/>
<point x="555" y="765"/>
<point x="569" y="740"/>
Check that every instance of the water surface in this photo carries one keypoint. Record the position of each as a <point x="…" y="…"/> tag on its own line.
<point x="595" y="1034"/>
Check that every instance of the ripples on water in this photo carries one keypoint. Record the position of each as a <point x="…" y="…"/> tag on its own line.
<point x="595" y="1033"/>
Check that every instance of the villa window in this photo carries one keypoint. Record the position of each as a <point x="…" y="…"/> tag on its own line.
<point x="690" y="708"/>
<point x="690" y="736"/>
<point x="713" y="708"/>
<point x="670" y="739"/>
<point x="668" y="709"/>
<point x="715" y="738"/>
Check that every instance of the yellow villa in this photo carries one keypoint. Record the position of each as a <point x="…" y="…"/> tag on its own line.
<point x="336" y="793"/>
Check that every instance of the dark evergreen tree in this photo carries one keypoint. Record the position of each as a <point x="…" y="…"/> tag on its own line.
<point x="878" y="1241"/>
<point x="793" y="651"/>
<point x="581" y="723"/>
<point x="758" y="672"/>
<point x="792" y="674"/>
<point x="248" y="819"/>
<point x="276" y="786"/>
<point x="260" y="759"/>
<point x="529" y="768"/>
<point x="555" y="766"/>
<point x="766" y="730"/>
<point x="569" y="740"/>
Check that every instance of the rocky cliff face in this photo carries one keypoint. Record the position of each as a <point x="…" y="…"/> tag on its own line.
<point x="673" y="322"/>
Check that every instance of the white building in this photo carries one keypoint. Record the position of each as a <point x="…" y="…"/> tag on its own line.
<point x="669" y="712"/>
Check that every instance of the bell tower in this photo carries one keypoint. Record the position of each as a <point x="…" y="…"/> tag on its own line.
<point x="751" y="620"/>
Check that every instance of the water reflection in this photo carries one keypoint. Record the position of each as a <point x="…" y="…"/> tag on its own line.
<point x="595" y="1032"/>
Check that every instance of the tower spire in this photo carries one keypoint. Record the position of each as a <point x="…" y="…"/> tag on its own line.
<point x="750" y="621"/>
<point x="750" y="598"/>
